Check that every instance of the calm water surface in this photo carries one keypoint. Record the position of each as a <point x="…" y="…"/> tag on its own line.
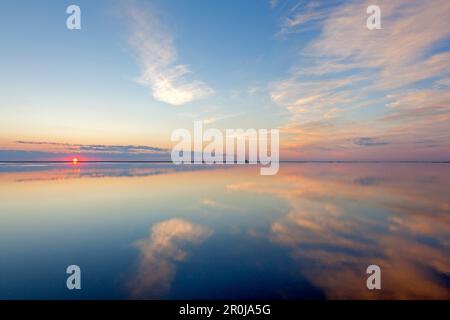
<point x="157" y="231"/>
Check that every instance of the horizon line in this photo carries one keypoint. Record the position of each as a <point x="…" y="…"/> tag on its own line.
<point x="192" y="162"/>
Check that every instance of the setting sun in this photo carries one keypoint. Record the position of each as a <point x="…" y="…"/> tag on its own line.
<point x="75" y="161"/>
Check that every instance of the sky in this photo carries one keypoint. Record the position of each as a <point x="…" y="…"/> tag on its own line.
<point x="138" y="70"/>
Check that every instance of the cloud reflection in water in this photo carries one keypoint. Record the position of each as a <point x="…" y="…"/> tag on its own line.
<point x="335" y="228"/>
<point x="159" y="253"/>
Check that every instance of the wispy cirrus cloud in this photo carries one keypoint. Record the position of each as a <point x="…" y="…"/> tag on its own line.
<point x="445" y="82"/>
<point x="167" y="80"/>
<point x="423" y="105"/>
<point x="209" y="117"/>
<point x="353" y="82"/>
<point x="303" y="16"/>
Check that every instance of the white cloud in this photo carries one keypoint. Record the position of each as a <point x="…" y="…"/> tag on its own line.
<point x="167" y="80"/>
<point x="159" y="253"/>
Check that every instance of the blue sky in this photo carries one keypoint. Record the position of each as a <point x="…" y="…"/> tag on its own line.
<point x="137" y="70"/>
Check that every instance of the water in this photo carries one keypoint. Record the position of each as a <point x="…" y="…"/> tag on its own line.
<point x="158" y="231"/>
